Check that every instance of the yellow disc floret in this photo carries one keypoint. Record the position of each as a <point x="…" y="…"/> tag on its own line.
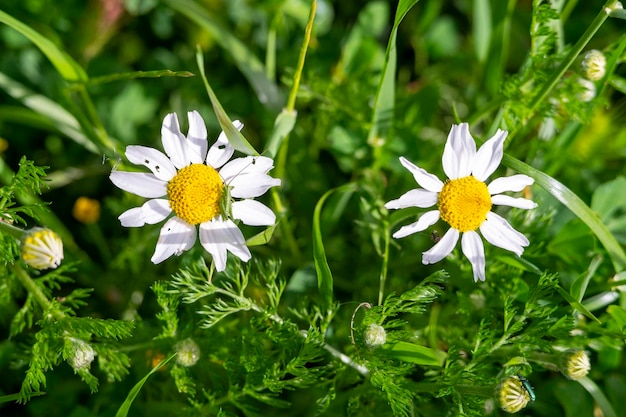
<point x="464" y="203"/>
<point x="194" y="193"/>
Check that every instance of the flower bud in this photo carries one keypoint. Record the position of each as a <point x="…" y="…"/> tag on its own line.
<point x="374" y="336"/>
<point x="574" y="364"/>
<point x="512" y="395"/>
<point x="594" y="65"/>
<point x="587" y="91"/>
<point x="188" y="352"/>
<point x="42" y="248"/>
<point x="82" y="354"/>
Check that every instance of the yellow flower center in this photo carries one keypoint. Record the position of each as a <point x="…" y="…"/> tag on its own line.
<point x="194" y="193"/>
<point x="464" y="203"/>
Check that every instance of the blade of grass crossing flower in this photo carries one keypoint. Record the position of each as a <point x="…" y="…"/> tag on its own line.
<point x="234" y="136"/>
<point x="252" y="68"/>
<point x="385" y="96"/>
<point x="603" y="403"/>
<point x="577" y="206"/>
<point x="65" y="65"/>
<point x="481" y="28"/>
<point x="132" y="394"/>
<point x="324" y="275"/>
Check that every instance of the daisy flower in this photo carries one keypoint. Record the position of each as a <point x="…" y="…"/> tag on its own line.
<point x="199" y="185"/>
<point x="464" y="201"/>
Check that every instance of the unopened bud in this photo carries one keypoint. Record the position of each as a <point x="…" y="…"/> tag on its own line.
<point x="374" y="336"/>
<point x="82" y="354"/>
<point x="511" y="394"/>
<point x="188" y="352"/>
<point x="42" y="248"/>
<point x="574" y="364"/>
<point x="594" y="65"/>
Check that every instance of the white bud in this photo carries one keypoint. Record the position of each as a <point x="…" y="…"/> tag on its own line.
<point x="82" y="354"/>
<point x="374" y="336"/>
<point x="188" y="352"/>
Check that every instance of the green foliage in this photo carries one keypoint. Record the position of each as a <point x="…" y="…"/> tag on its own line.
<point x="331" y="315"/>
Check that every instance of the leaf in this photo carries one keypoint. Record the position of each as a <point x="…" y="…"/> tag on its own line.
<point x="234" y="136"/>
<point x="123" y="76"/>
<point x="283" y="125"/>
<point x="385" y="95"/>
<point x="125" y="407"/>
<point x="65" y="65"/>
<point x="324" y="275"/>
<point x="577" y="305"/>
<point x="619" y="315"/>
<point x="576" y="205"/>
<point x="579" y="286"/>
<point x="519" y="263"/>
<point x="410" y="352"/>
<point x="267" y="92"/>
<point x="261" y="238"/>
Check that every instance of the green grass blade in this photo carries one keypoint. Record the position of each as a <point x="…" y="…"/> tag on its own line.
<point x="261" y="238"/>
<point x="252" y="68"/>
<point x="481" y="28"/>
<point x="599" y="397"/>
<point x="56" y="115"/>
<point x="409" y="352"/>
<point x="579" y="286"/>
<point x="123" y="76"/>
<point x="577" y="305"/>
<point x="125" y="407"/>
<point x="577" y="206"/>
<point x="65" y="65"/>
<point x="234" y="136"/>
<point x="386" y="95"/>
<point x="324" y="275"/>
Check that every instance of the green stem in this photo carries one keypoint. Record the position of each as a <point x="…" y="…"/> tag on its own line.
<point x="35" y="291"/>
<point x="383" y="271"/>
<point x="571" y="57"/>
<point x="291" y="102"/>
<point x="11" y="230"/>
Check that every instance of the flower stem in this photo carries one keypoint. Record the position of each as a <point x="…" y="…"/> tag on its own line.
<point x="11" y="230"/>
<point x="35" y="291"/>
<point x="291" y="102"/>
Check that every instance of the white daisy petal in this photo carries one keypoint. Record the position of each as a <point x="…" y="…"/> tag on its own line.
<point x="414" y="198"/>
<point x="489" y="156"/>
<point x="505" y="200"/>
<point x="217" y="236"/>
<point x="176" y="237"/>
<point x="512" y="183"/>
<point x="459" y="152"/>
<point x="174" y="143"/>
<point x="222" y="150"/>
<point x="253" y="213"/>
<point x="246" y="165"/>
<point x="499" y="232"/>
<point x="425" y="179"/>
<point x="427" y="219"/>
<point x="252" y="185"/>
<point x="155" y="160"/>
<point x="152" y="212"/>
<point x="442" y="248"/>
<point x="139" y="183"/>
<point x="473" y="249"/>
<point x="196" y="138"/>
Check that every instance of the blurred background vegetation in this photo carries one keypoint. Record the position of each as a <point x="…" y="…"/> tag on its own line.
<point x="445" y="74"/>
